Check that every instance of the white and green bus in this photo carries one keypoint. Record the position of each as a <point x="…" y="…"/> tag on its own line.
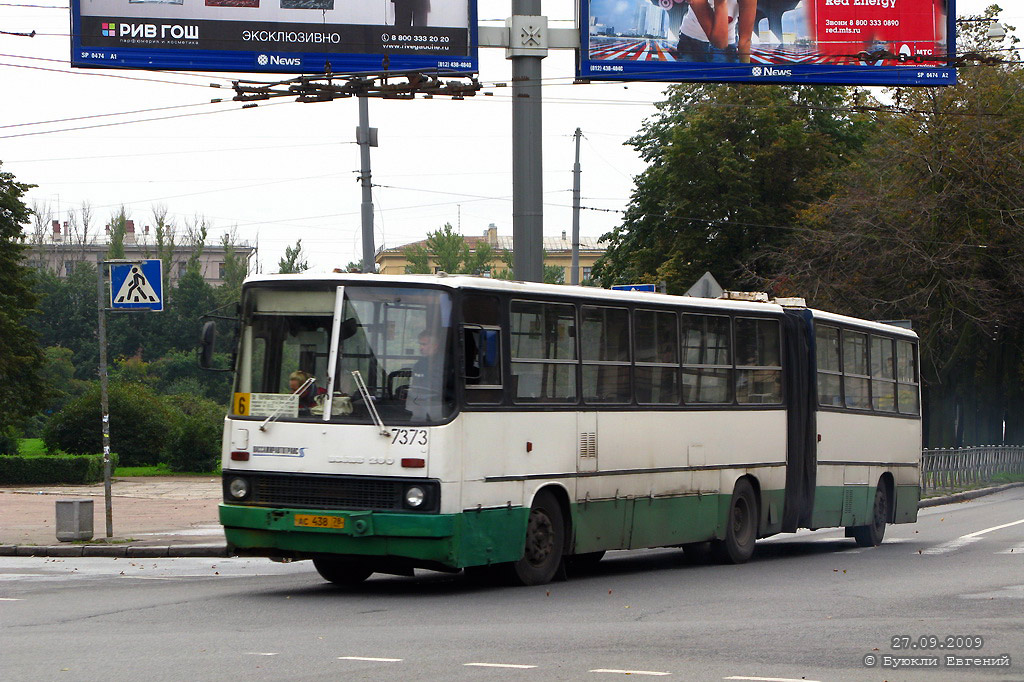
<point x="382" y="424"/>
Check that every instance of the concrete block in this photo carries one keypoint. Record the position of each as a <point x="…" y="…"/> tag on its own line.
<point x="74" y="519"/>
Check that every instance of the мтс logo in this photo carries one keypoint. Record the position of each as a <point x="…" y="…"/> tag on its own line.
<point x="108" y="30"/>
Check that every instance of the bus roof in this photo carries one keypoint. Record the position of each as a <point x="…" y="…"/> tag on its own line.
<point x="607" y="296"/>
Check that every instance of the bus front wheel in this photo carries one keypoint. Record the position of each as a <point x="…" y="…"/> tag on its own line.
<point x="741" y="526"/>
<point x="545" y="542"/>
<point x="342" y="572"/>
<point x="871" y="535"/>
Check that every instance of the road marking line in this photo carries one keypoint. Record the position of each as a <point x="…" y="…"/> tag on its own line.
<point x="9" y="599"/>
<point x="988" y="530"/>
<point x="259" y="653"/>
<point x="769" y="679"/>
<point x="628" y="672"/>
<point x="501" y="665"/>
<point x="368" y="658"/>
<point x="965" y="540"/>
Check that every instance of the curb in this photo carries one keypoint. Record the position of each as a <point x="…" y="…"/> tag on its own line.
<point x="118" y="551"/>
<point x="966" y="495"/>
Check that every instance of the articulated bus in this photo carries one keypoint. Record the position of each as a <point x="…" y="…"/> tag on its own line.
<point x="383" y="424"/>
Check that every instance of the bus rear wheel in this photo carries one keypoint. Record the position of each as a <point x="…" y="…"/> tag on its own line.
<point x="871" y="535"/>
<point x="343" y="572"/>
<point x="545" y="543"/>
<point x="741" y="526"/>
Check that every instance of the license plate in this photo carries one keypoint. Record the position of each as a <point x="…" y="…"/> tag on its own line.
<point x="313" y="521"/>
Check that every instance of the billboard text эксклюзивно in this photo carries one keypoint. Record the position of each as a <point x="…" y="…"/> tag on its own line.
<point x="289" y="36"/>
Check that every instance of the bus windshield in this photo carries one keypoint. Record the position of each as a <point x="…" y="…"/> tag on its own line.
<point x="397" y="339"/>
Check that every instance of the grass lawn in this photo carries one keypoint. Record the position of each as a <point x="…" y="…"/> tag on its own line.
<point x="31" y="446"/>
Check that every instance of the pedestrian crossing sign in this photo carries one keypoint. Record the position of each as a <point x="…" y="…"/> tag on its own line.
<point x="137" y="286"/>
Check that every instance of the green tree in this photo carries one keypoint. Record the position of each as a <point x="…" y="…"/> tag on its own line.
<point x="195" y="430"/>
<point x="138" y="425"/>
<point x="450" y="253"/>
<point x="729" y="166"/>
<point x="67" y="316"/>
<point x="118" y="229"/>
<point x="927" y="226"/>
<point x="294" y="260"/>
<point x="20" y="354"/>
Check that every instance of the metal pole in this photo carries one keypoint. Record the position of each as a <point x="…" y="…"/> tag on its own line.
<point x="101" y="305"/>
<point x="363" y="140"/>
<point x="527" y="161"/>
<point x="575" y="279"/>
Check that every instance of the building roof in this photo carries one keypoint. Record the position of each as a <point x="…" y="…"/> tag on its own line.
<point x="502" y="243"/>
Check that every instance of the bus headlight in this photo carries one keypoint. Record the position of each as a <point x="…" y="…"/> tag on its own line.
<point x="414" y="496"/>
<point x="238" y="488"/>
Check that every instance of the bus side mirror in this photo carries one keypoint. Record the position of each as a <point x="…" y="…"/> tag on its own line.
<point x="207" y="342"/>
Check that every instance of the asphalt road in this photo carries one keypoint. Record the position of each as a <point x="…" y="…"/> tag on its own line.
<point x="810" y="606"/>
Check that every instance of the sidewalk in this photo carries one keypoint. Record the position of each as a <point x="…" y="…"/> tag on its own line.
<point x="155" y="516"/>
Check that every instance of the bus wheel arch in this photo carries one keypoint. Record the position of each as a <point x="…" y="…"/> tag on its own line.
<point x="742" y="523"/>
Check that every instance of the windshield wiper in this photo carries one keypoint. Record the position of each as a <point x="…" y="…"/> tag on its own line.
<point x="273" y="415"/>
<point x="365" y="393"/>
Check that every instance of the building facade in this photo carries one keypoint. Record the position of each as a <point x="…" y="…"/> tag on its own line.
<point x="59" y="252"/>
<point x="557" y="252"/>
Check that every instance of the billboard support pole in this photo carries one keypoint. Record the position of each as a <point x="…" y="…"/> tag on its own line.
<point x="366" y="138"/>
<point x="101" y="336"/>
<point x="527" y="47"/>
<point x="575" y="279"/>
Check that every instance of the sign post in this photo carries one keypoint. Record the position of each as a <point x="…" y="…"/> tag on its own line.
<point x="133" y="286"/>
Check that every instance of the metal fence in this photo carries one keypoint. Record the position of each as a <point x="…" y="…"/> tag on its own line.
<point x="958" y="468"/>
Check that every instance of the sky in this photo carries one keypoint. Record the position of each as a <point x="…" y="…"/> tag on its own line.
<point x="285" y="171"/>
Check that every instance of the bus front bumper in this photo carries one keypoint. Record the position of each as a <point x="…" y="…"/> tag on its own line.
<point x="428" y="540"/>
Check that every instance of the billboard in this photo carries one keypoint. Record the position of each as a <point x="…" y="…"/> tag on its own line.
<point x="285" y="36"/>
<point x="768" y="41"/>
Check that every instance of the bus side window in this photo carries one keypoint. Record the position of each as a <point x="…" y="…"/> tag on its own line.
<point x="482" y="369"/>
<point x="483" y="356"/>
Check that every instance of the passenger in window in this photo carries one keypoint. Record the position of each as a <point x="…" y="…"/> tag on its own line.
<point x="307" y="398"/>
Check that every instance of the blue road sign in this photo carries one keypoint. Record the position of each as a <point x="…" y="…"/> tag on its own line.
<point x="634" y="287"/>
<point x="137" y="286"/>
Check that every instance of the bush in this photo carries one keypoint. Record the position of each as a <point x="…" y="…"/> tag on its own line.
<point x="48" y="469"/>
<point x="195" y="436"/>
<point x="138" y="425"/>
<point x="8" y="441"/>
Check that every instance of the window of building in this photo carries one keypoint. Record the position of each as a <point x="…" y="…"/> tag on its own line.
<point x="758" y="362"/>
<point x="220" y="271"/>
<point x="586" y="274"/>
<point x="543" y="338"/>
<point x="707" y="359"/>
<point x="606" y="358"/>
<point x="656" y="344"/>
